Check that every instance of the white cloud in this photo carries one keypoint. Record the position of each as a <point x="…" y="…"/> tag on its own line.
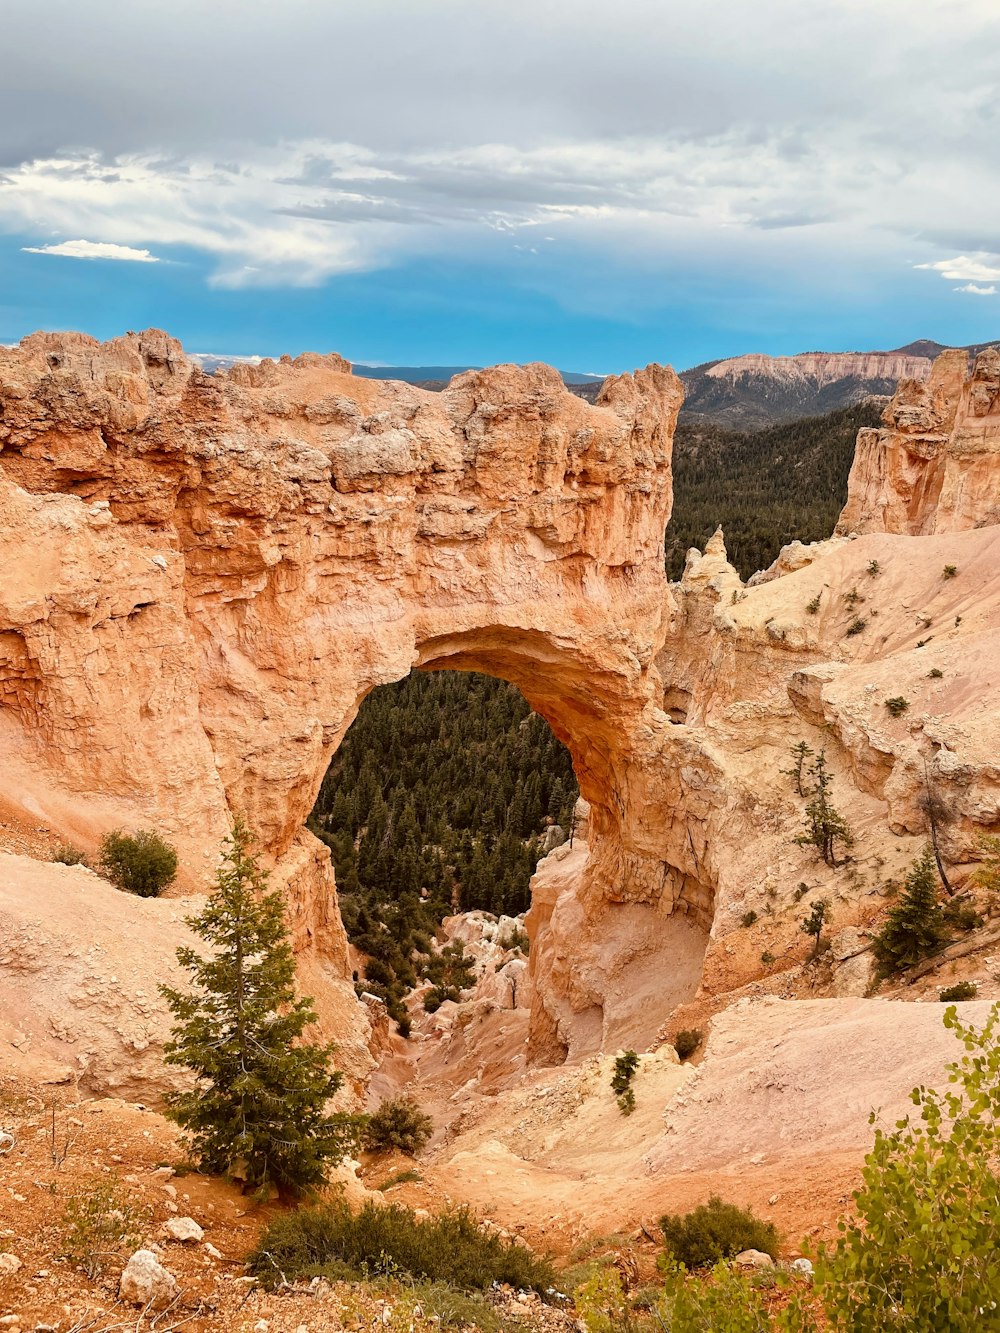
<point x="93" y="250"/>
<point x="973" y="268"/>
<point x="977" y="291"/>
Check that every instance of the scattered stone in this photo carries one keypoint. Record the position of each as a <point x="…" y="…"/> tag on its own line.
<point x="803" y="1266"/>
<point x="144" y="1281"/>
<point x="9" y="1264"/>
<point x="210" y="1249"/>
<point x="183" y="1229"/>
<point x="754" y="1259"/>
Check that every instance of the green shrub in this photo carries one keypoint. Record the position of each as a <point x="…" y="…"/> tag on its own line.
<point x="856" y="626"/>
<point x="748" y="919"/>
<point x="140" y="862"/>
<point x="813" y="606"/>
<point x="897" y="706"/>
<point x="687" y="1041"/>
<point x="404" y="1025"/>
<point x="398" y="1124"/>
<point x="852" y="598"/>
<point x="949" y="571"/>
<point x="768" y="958"/>
<point x="68" y="855"/>
<point x="962" y="990"/>
<point x="101" y="1227"/>
<point x="714" y="1231"/>
<point x="961" y="914"/>
<point x="450" y="1247"/>
<point x="874" y="568"/>
<point x="935" y="673"/>
<point x="400" y="1178"/>
<point x="621" y="1081"/>
<point x="923" y="1249"/>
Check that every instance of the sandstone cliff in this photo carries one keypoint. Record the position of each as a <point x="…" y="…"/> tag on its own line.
<point x="203" y="576"/>
<point x="933" y="467"/>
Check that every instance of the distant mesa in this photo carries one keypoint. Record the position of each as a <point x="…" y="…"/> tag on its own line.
<point x="753" y="391"/>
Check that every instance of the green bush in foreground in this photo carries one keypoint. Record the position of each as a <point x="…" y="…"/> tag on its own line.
<point x="924" y="1249"/>
<point x="714" y="1231"/>
<point x="140" y="862"/>
<point x="450" y="1247"/>
<point x="398" y="1123"/>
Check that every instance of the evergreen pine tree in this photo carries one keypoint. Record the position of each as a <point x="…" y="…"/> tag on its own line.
<point x="825" y="825"/>
<point x="914" y="928"/>
<point x="259" y="1106"/>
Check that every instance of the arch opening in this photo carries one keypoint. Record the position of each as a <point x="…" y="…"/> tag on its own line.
<point x="444" y="794"/>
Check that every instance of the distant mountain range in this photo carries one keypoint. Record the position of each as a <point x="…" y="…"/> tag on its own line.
<point x="741" y="392"/>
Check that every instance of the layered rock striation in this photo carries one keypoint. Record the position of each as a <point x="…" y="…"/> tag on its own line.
<point x="934" y="466"/>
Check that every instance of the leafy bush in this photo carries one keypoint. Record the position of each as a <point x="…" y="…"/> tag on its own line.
<point x="68" y="855"/>
<point x="687" y="1041"/>
<point x="923" y="1251"/>
<point x="874" y="568"/>
<point x="450" y="1247"/>
<point x="722" y="1301"/>
<point x="935" y="673"/>
<point x="856" y="626"/>
<point x="748" y="919"/>
<point x="140" y="862"/>
<point x="451" y="972"/>
<point x="621" y="1081"/>
<point x="101" y="1226"/>
<point x="962" y="990"/>
<point x="400" y="1178"/>
<point x="897" y="706"/>
<point x="961" y="914"/>
<point x="714" y="1231"/>
<point x="813" y="606"/>
<point x="398" y="1124"/>
<point x="949" y="571"/>
<point x="852" y="598"/>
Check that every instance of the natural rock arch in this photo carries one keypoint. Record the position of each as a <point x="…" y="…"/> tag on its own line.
<point x="221" y="567"/>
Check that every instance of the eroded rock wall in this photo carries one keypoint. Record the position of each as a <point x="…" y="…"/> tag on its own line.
<point x="935" y="464"/>
<point x="203" y="576"/>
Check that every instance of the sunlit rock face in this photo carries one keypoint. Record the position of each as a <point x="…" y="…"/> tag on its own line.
<point x="935" y="464"/>
<point x="203" y="576"/>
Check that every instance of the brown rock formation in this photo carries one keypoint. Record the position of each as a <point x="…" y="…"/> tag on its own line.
<point x="203" y="577"/>
<point x="934" y="465"/>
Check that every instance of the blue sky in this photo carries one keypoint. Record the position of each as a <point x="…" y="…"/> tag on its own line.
<point x="436" y="183"/>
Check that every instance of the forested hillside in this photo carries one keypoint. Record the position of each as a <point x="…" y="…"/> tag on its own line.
<point x="440" y="795"/>
<point x="765" y="487"/>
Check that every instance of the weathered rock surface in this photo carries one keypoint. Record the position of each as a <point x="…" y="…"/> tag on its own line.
<point x="202" y="577"/>
<point x="144" y="1281"/>
<point x="935" y="464"/>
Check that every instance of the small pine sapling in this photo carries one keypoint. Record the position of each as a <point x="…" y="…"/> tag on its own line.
<point x="800" y="753"/>
<point x="621" y="1081"/>
<point x="813" y="924"/>
<point x="825" y="825"/>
